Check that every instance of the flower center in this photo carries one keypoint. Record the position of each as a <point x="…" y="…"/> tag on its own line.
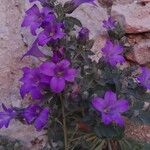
<point x="40" y="18"/>
<point x="106" y="110"/>
<point x="60" y="73"/>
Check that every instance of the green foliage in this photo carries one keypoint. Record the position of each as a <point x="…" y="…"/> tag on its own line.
<point x="130" y="144"/>
<point x="109" y="132"/>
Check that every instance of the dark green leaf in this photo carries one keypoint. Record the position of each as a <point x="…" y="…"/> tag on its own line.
<point x="111" y="131"/>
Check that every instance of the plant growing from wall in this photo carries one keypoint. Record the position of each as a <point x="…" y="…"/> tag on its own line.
<point x="82" y="104"/>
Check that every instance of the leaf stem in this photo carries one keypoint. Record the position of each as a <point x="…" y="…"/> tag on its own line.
<point x="64" y="123"/>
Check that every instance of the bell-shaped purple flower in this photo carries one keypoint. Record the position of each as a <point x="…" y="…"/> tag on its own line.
<point x="34" y="51"/>
<point x="60" y="73"/>
<point x="112" y="53"/>
<point x="6" y="116"/>
<point x="110" y="108"/>
<point x="31" y="79"/>
<point x="52" y="31"/>
<point x="34" y="114"/>
<point x="144" y="77"/>
<point x="109" y="24"/>
<point x="83" y="35"/>
<point x="36" y="19"/>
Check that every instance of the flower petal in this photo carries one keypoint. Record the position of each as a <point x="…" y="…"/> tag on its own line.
<point x="42" y="120"/>
<point x="70" y="75"/>
<point x="117" y="118"/>
<point x="34" y="27"/>
<point x="31" y="112"/>
<point x="36" y="93"/>
<point x="33" y="10"/>
<point x="110" y="97"/>
<point x="98" y="104"/>
<point x="106" y="119"/>
<point x="34" y="51"/>
<point x="47" y="68"/>
<point x="64" y="63"/>
<point x="57" y="84"/>
<point x="43" y="38"/>
<point x="121" y="106"/>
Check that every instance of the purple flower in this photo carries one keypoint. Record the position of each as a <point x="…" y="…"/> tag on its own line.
<point x="109" y="24"/>
<point x="83" y="35"/>
<point x="6" y="116"/>
<point x="79" y="2"/>
<point x="59" y="73"/>
<point x="144" y="78"/>
<point x="112" y="53"/>
<point x="35" y="114"/>
<point x="110" y="108"/>
<point x="35" y="19"/>
<point x="52" y="31"/>
<point x="30" y="81"/>
<point x="42" y="1"/>
<point x="34" y="51"/>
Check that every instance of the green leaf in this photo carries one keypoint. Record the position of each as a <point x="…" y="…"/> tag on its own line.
<point x="69" y="7"/>
<point x="111" y="131"/>
<point x="130" y="144"/>
<point x="143" y="117"/>
<point x="59" y="11"/>
<point x="74" y="21"/>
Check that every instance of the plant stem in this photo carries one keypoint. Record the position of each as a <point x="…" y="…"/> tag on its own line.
<point x="64" y="123"/>
<point x="109" y="145"/>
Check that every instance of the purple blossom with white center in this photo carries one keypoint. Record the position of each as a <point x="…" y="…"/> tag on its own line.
<point x="83" y="35"/>
<point x="31" y="79"/>
<point x="112" y="53"/>
<point x="144" y="77"/>
<point x="60" y="73"/>
<point x="110" y="108"/>
<point x="52" y="31"/>
<point x="36" y="19"/>
<point x="109" y="24"/>
<point x="6" y="116"/>
<point x="36" y="115"/>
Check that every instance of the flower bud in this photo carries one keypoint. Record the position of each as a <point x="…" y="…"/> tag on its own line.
<point x="83" y="36"/>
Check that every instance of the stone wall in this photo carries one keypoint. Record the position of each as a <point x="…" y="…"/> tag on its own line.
<point x="134" y="16"/>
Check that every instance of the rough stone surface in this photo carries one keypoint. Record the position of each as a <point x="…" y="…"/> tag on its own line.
<point x="98" y="45"/>
<point x="11" y="50"/>
<point x="141" y="49"/>
<point x="134" y="16"/>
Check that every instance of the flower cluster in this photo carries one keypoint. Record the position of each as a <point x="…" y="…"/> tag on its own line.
<point x="56" y="73"/>
<point x="65" y="80"/>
